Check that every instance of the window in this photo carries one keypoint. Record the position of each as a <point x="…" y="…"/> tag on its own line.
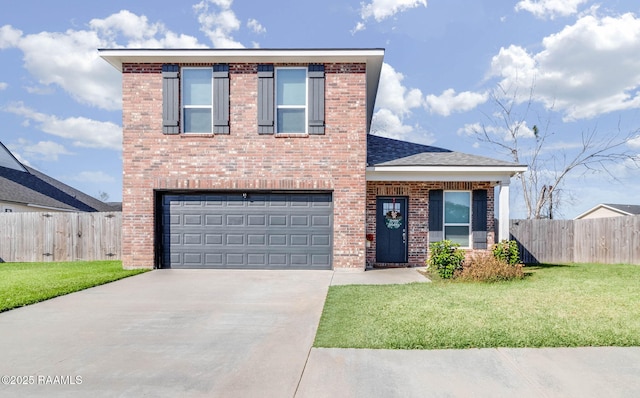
<point x="457" y="217"/>
<point x="291" y="100"/>
<point x="197" y="100"/>
<point x="460" y="216"/>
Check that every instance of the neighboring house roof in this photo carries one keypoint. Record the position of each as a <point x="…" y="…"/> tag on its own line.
<point x="26" y="185"/>
<point x="625" y="210"/>
<point x="372" y="57"/>
<point x="387" y="155"/>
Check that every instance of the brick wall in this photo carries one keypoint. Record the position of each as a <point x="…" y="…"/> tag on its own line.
<point x="243" y="159"/>
<point x="418" y="194"/>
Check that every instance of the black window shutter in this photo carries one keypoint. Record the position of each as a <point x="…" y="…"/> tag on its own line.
<point x="266" y="107"/>
<point x="170" y="99"/>
<point x="316" y="99"/>
<point x="479" y="219"/>
<point x="221" y="99"/>
<point x="436" y="220"/>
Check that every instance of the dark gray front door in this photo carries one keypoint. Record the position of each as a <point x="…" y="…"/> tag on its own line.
<point x="247" y="230"/>
<point x="391" y="230"/>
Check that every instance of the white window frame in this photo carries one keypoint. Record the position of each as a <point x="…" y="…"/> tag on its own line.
<point x="444" y="217"/>
<point x="306" y="99"/>
<point x="183" y="106"/>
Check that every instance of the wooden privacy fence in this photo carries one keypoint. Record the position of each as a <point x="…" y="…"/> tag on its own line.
<point x="54" y="236"/>
<point x="610" y="240"/>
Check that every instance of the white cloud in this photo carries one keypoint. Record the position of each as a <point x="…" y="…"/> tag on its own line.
<point x="9" y="36"/>
<point x="43" y="150"/>
<point x="601" y="75"/>
<point x="394" y="102"/>
<point x="521" y="130"/>
<point x="255" y="26"/>
<point x="126" y="23"/>
<point x="549" y="8"/>
<point x="93" y="176"/>
<point x="70" y="60"/>
<point x="218" y="23"/>
<point x="634" y="142"/>
<point x="393" y="95"/>
<point x="81" y="131"/>
<point x="383" y="9"/>
<point x="387" y="124"/>
<point x="449" y="102"/>
<point x="3" y="86"/>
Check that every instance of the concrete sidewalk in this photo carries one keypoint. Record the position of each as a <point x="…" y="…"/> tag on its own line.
<point x="504" y="372"/>
<point x="378" y="276"/>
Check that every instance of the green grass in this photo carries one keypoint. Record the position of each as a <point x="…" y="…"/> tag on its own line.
<point x="27" y="283"/>
<point x="554" y="306"/>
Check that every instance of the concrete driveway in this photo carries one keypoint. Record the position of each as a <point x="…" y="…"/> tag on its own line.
<point x="170" y="333"/>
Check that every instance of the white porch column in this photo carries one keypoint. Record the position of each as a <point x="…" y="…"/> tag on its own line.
<point x="503" y="212"/>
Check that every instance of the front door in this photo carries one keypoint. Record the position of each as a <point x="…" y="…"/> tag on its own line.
<point x="391" y="230"/>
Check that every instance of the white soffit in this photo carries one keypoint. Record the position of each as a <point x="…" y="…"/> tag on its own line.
<point x="436" y="173"/>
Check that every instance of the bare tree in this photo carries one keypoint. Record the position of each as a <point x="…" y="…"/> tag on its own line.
<point x="542" y="184"/>
<point x="103" y="196"/>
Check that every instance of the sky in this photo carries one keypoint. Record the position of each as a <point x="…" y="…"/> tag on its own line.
<point x="568" y="67"/>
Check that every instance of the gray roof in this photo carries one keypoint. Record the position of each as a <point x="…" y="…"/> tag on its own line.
<point x="382" y="151"/>
<point x="26" y="185"/>
<point x="631" y="209"/>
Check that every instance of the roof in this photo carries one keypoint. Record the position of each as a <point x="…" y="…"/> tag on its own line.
<point x="387" y="155"/>
<point x="627" y="210"/>
<point x="372" y="57"/>
<point x="28" y="186"/>
<point x="382" y="151"/>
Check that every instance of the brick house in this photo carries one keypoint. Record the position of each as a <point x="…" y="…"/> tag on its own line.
<point x="262" y="158"/>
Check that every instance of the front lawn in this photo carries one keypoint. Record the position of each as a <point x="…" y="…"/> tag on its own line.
<point x="27" y="283"/>
<point x="554" y="306"/>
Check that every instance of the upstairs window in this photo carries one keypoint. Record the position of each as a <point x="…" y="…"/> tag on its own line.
<point x="291" y="100"/>
<point x="197" y="100"/>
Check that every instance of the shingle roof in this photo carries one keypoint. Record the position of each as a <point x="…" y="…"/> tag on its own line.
<point x="35" y="188"/>
<point x="631" y="209"/>
<point x="382" y="151"/>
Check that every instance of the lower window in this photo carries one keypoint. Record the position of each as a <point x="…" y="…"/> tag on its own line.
<point x="457" y="217"/>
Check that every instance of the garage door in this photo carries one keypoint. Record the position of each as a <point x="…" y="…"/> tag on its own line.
<point x="250" y="230"/>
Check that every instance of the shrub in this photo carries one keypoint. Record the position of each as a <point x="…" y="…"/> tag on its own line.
<point x="445" y="257"/>
<point x="485" y="267"/>
<point x="507" y="251"/>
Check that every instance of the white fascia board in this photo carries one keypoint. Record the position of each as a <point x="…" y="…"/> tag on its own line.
<point x="51" y="208"/>
<point x="602" y="206"/>
<point x="437" y="173"/>
<point x="117" y="57"/>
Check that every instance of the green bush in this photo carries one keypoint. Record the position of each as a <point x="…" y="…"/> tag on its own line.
<point x="507" y="251"/>
<point x="485" y="267"/>
<point x="445" y="257"/>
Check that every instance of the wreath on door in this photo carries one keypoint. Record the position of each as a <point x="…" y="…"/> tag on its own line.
<point x="393" y="218"/>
